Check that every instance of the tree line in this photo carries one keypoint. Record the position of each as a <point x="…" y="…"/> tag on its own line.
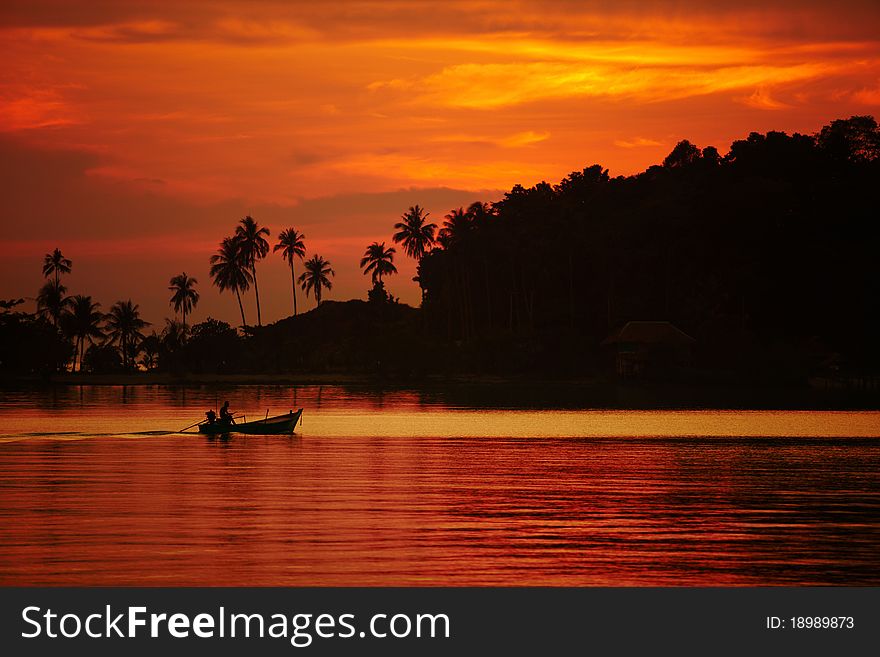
<point x="83" y="337"/>
<point x="764" y="254"/>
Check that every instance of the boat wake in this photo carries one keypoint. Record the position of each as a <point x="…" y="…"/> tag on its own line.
<point x="74" y="435"/>
<point x="152" y="433"/>
<point x="37" y="434"/>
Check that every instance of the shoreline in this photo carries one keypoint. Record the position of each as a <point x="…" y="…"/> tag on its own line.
<point x="484" y="390"/>
<point x="168" y="379"/>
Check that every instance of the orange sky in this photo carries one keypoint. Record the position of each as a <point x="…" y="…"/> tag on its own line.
<point x="136" y="134"/>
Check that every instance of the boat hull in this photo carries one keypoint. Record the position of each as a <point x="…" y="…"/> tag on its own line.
<point x="279" y="424"/>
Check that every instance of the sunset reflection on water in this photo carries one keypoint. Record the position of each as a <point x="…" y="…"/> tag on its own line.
<point x="403" y="489"/>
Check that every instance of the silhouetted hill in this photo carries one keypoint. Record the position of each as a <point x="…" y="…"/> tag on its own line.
<point x="343" y="336"/>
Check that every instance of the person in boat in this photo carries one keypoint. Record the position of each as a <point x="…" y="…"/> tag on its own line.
<point x="225" y="415"/>
<point x="212" y="416"/>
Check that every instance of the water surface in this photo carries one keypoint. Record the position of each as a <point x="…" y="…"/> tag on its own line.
<point x="408" y="488"/>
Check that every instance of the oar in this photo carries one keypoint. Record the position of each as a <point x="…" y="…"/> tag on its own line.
<point x="190" y="426"/>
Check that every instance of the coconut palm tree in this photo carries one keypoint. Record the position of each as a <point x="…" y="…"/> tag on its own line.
<point x="185" y="296"/>
<point x="230" y="272"/>
<point x="174" y="335"/>
<point x="84" y="322"/>
<point x="457" y="225"/>
<point x="480" y="213"/>
<point x="254" y="247"/>
<point x="150" y="346"/>
<point x="51" y="302"/>
<point x="416" y="235"/>
<point x="316" y="276"/>
<point x="291" y="244"/>
<point x="124" y="327"/>
<point x="55" y="263"/>
<point x="452" y="237"/>
<point x="378" y="261"/>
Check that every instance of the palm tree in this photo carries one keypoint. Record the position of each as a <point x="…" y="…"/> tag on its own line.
<point x="253" y="247"/>
<point x="174" y="335"/>
<point x="316" y="276"/>
<point x="480" y="213"/>
<point x="230" y="272"/>
<point x="84" y="324"/>
<point x="379" y="261"/>
<point x="456" y="226"/>
<point x="51" y="301"/>
<point x="124" y="326"/>
<point x="291" y="244"/>
<point x="417" y="236"/>
<point x="56" y="263"/>
<point x="185" y="296"/>
<point x="150" y="346"/>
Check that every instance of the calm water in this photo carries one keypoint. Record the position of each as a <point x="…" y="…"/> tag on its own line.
<point x="411" y="488"/>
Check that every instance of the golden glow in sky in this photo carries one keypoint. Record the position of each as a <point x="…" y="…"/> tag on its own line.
<point x="137" y="133"/>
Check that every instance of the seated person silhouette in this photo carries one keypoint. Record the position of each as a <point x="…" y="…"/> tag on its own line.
<point x="212" y="417"/>
<point x="225" y="415"/>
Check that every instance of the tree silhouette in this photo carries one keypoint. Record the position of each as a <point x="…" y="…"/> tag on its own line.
<point x="7" y="305"/>
<point x="765" y="254"/>
<point x="185" y="296"/>
<point x="480" y="214"/>
<point x="291" y="244"/>
<point x="229" y="271"/>
<point x="102" y="358"/>
<point x="457" y="225"/>
<point x="124" y="327"/>
<point x="378" y="261"/>
<point x="84" y="321"/>
<point x="150" y="346"/>
<point x="415" y="235"/>
<point x="253" y="246"/>
<point x="174" y="335"/>
<point x="55" y="263"/>
<point x="682" y="155"/>
<point x="457" y="228"/>
<point x="316" y="276"/>
<point x="51" y="301"/>
<point x="856" y="139"/>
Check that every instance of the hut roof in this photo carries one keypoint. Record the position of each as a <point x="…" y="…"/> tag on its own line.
<point x="649" y="333"/>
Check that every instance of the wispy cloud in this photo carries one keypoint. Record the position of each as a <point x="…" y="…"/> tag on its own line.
<point x="423" y="170"/>
<point x="761" y="99"/>
<point x="868" y="95"/>
<point x="135" y="31"/>
<point x="527" y="138"/>
<point x="514" y="140"/>
<point x="637" y="142"/>
<point x="35" y="109"/>
<point x="657" y="77"/>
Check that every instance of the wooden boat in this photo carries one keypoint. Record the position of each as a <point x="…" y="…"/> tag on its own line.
<point x="277" y="424"/>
